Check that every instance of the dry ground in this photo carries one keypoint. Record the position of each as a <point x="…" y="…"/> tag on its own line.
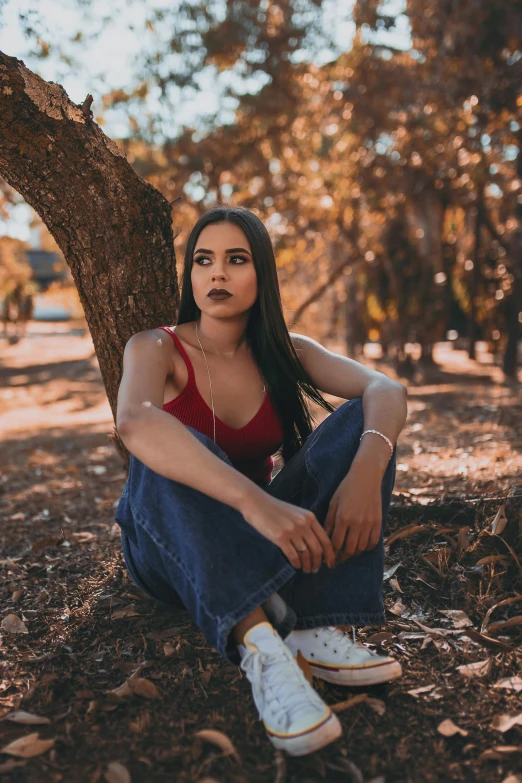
<point x="90" y="629"/>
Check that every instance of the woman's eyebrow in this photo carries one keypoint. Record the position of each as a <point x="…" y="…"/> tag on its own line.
<point x="230" y="250"/>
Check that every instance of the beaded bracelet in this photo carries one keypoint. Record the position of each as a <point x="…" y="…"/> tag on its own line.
<point x="388" y="441"/>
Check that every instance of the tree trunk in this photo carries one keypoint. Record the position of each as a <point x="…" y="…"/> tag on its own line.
<point x="475" y="278"/>
<point x="513" y="305"/>
<point x="428" y="209"/>
<point x="114" y="229"/>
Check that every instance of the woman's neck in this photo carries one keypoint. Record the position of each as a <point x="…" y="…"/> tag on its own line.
<point x="222" y="337"/>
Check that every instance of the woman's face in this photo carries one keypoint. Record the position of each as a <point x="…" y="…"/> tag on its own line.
<point x="223" y="259"/>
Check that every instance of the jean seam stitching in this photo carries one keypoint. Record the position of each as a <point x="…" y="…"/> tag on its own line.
<point x="145" y="570"/>
<point x="308" y="465"/>
<point x="283" y="576"/>
<point x="175" y="560"/>
<point x="312" y="472"/>
<point x="314" y="441"/>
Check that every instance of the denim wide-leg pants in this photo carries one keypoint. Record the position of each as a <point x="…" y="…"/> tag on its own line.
<point x="190" y="550"/>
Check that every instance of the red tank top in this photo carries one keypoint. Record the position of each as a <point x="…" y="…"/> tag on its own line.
<point x="251" y="447"/>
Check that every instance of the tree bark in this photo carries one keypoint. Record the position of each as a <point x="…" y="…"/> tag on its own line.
<point x="475" y="278"/>
<point x="513" y="305"/>
<point x="428" y="210"/>
<point x="114" y="229"/>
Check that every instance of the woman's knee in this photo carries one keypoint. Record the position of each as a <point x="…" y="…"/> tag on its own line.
<point x="353" y="409"/>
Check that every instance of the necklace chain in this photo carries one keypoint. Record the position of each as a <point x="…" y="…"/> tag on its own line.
<point x="210" y="382"/>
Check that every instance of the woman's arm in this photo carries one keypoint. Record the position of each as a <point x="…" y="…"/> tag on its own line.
<point x="385" y="409"/>
<point x="384" y="400"/>
<point x="334" y="373"/>
<point x="161" y="441"/>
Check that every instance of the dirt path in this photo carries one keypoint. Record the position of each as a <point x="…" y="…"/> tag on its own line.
<point x="89" y="628"/>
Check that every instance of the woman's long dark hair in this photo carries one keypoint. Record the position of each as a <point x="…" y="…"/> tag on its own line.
<point x="266" y="333"/>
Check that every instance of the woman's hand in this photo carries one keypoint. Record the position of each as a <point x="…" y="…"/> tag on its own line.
<point x="288" y="527"/>
<point x="354" y="516"/>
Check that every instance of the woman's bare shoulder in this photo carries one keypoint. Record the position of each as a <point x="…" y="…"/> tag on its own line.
<point x="182" y="330"/>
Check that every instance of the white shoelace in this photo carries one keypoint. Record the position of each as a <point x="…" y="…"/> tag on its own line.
<point x="276" y="679"/>
<point x="343" y="643"/>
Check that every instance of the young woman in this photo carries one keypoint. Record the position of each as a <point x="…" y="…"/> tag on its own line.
<point x="266" y="567"/>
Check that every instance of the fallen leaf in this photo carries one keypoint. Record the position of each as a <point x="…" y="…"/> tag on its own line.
<point x="220" y="740"/>
<point x="27" y="747"/>
<point x="436" y="641"/>
<point x="127" y="611"/>
<point x="487" y="641"/>
<point x="377" y="705"/>
<point x="82" y="536"/>
<point x="439" y="557"/>
<point x="477" y="669"/>
<point x="390" y="571"/>
<point x="398" y="608"/>
<point x="502" y="559"/>
<point x="424" y="689"/>
<point x="448" y="728"/>
<point x="506" y="722"/>
<point x="499" y="752"/>
<point x="500" y="521"/>
<point x="19" y="716"/>
<point x="505" y="624"/>
<point x="129" y="667"/>
<point x="341" y="706"/>
<point x="460" y="619"/>
<point x="13" y="624"/>
<point x="463" y="541"/>
<point x="513" y="779"/>
<point x="513" y="683"/>
<point x="145" y="688"/>
<point x="378" y="638"/>
<point x="168" y="649"/>
<point x="405" y="532"/>
<point x="117" y="773"/>
<point x="136" y="684"/>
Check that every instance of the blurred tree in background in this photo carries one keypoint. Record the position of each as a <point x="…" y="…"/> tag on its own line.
<point x="390" y="178"/>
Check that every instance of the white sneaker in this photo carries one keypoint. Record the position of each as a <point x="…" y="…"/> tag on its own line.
<point x="295" y="717"/>
<point x="336" y="658"/>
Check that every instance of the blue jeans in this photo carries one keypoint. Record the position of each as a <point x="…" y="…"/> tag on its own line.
<point x="190" y="550"/>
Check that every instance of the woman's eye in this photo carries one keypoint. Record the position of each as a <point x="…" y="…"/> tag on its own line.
<point x="199" y="260"/>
